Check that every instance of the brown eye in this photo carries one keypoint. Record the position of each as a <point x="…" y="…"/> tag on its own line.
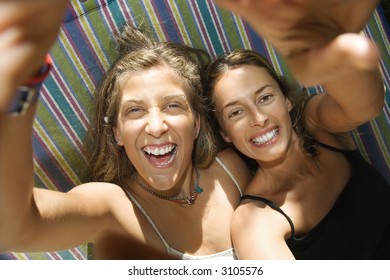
<point x="234" y="114"/>
<point x="265" y="98"/>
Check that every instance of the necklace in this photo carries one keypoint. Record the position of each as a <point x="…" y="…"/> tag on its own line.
<point x="184" y="199"/>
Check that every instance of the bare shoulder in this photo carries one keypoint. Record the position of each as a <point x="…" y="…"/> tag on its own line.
<point x="108" y="197"/>
<point x="247" y="213"/>
<point x="258" y="232"/>
<point x="258" y="217"/>
<point x="98" y="189"/>
<point x="237" y="166"/>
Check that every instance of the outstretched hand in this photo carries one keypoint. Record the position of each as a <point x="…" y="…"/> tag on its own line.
<point x="318" y="39"/>
<point x="27" y="31"/>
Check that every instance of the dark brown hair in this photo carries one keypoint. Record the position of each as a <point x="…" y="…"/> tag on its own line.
<point x="238" y="58"/>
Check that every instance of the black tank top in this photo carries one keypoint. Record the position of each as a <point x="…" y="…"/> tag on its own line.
<point x="357" y="226"/>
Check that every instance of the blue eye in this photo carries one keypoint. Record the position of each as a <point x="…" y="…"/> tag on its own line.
<point x="176" y="106"/>
<point x="133" y="110"/>
<point x="173" y="105"/>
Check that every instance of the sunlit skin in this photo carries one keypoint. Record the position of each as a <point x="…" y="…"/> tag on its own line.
<point x="155" y="116"/>
<point x="318" y="39"/>
<point x="254" y="114"/>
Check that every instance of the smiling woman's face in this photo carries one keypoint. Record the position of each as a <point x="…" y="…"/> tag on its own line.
<point x="253" y="113"/>
<point x="156" y="126"/>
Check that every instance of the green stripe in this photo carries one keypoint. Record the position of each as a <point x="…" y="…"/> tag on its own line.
<point x="190" y="24"/>
<point x="180" y="23"/>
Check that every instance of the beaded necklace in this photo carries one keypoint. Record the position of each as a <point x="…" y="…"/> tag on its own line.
<point x="183" y="199"/>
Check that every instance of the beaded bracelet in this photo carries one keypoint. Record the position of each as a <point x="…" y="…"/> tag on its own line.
<point x="27" y="94"/>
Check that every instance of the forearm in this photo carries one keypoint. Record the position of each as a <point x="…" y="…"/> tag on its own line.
<point x="351" y="79"/>
<point x="16" y="173"/>
<point x="358" y="93"/>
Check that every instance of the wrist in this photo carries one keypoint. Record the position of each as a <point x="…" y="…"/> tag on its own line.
<point x="27" y="94"/>
<point x="42" y="74"/>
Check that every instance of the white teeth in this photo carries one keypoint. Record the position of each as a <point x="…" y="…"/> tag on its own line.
<point x="265" y="138"/>
<point x="159" y="151"/>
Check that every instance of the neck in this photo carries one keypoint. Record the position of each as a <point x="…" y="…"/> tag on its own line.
<point x="295" y="167"/>
<point x="182" y="197"/>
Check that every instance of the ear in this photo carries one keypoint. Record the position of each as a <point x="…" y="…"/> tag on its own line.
<point x="117" y="137"/>
<point x="289" y="104"/>
<point x="225" y="137"/>
<point x="197" y="126"/>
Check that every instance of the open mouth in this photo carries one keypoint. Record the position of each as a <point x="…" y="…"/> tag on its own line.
<point x="266" y="138"/>
<point x="160" y="156"/>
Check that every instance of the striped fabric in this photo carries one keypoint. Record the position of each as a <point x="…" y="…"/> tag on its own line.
<point x="84" y="51"/>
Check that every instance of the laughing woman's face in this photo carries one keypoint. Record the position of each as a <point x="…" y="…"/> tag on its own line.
<point x="253" y="113"/>
<point x="157" y="127"/>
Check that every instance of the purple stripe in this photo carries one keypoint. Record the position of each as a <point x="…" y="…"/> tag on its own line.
<point x="160" y="19"/>
<point x="83" y="43"/>
<point x="64" y="89"/>
<point x="106" y="11"/>
<point x="77" y="253"/>
<point x="60" y="178"/>
<point x="179" y="38"/>
<point x="202" y="28"/>
<point x="219" y="28"/>
<point x="62" y="121"/>
<point x="248" y="36"/>
<point x="125" y="11"/>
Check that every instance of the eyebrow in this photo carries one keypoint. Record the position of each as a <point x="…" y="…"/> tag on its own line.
<point x="257" y="92"/>
<point x="174" y="96"/>
<point x="166" y="98"/>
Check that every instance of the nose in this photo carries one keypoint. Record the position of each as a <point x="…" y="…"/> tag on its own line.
<point x="258" y="118"/>
<point x="156" y="124"/>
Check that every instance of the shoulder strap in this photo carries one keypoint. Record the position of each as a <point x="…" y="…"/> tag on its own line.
<point x="273" y="206"/>
<point x="132" y="198"/>
<point x="230" y="174"/>
<point x="348" y="153"/>
<point x="334" y="149"/>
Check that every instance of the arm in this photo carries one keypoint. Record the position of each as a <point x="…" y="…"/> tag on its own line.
<point x="320" y="44"/>
<point x="258" y="232"/>
<point x="353" y="97"/>
<point x="305" y="31"/>
<point x="27" y="31"/>
<point x="31" y="217"/>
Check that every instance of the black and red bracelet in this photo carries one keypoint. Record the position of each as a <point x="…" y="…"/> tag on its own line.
<point x="27" y="94"/>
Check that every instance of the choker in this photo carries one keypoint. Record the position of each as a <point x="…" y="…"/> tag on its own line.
<point x="183" y="199"/>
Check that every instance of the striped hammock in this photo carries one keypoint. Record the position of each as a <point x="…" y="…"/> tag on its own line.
<point x="83" y="51"/>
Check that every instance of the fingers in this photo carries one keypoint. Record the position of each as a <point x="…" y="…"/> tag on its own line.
<point x="27" y="31"/>
<point x="348" y="52"/>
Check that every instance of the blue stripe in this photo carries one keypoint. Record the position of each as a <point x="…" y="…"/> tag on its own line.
<point x="58" y="176"/>
<point x="169" y="27"/>
<point x="64" y="107"/>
